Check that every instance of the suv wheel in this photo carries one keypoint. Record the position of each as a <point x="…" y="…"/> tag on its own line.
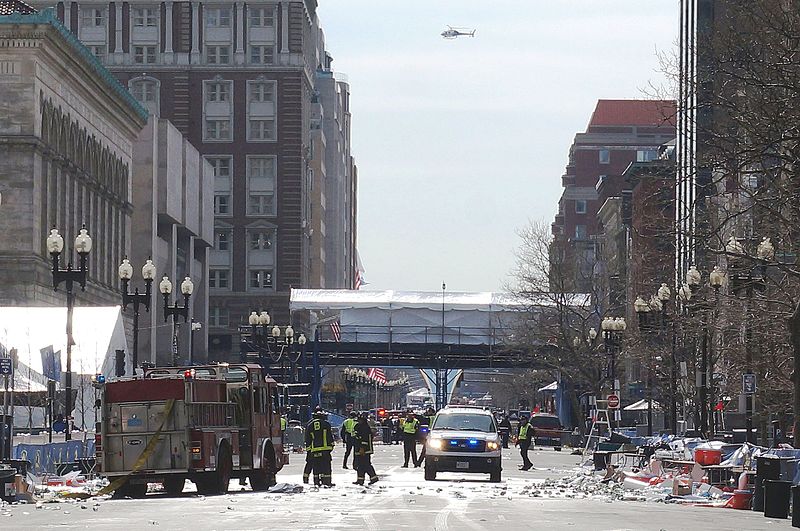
<point x="430" y="472"/>
<point x="495" y="476"/>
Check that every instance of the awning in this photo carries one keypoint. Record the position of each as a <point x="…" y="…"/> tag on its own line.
<point x="641" y="405"/>
<point x="549" y="387"/>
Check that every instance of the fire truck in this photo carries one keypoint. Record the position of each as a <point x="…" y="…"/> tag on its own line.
<point x="206" y="423"/>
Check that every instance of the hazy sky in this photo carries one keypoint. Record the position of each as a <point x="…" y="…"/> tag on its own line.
<point x="459" y="143"/>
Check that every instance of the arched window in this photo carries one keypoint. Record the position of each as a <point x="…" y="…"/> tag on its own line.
<point x="146" y="90"/>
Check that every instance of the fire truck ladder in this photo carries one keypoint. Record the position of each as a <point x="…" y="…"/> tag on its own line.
<point x="601" y="421"/>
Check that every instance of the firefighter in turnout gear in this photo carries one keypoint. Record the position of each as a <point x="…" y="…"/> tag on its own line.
<point x="410" y="429"/>
<point x="524" y="440"/>
<point x="362" y="461"/>
<point x="319" y="444"/>
<point x="348" y="434"/>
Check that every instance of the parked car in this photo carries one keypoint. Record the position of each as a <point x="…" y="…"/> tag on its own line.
<point x="547" y="430"/>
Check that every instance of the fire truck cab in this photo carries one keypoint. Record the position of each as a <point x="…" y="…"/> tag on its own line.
<point x="212" y="423"/>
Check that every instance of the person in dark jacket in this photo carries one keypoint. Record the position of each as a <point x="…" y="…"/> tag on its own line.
<point x="505" y="430"/>
<point x="363" y="452"/>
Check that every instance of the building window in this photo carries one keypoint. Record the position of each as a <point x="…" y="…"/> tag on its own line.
<point x="261" y="55"/>
<point x="217" y="129"/>
<point x="260" y="279"/>
<point x="580" y="206"/>
<point x="145" y="17"/>
<point x="218" y="91"/>
<point x="145" y="91"/>
<point x="646" y="155"/>
<point x="144" y="55"/>
<point x="260" y="186"/>
<point x="222" y="240"/>
<point x="605" y="156"/>
<point x="262" y="17"/>
<point x="261" y="92"/>
<point x="92" y="18"/>
<point x="218" y="17"/>
<point x="99" y="52"/>
<point x="261" y="129"/>
<point x="219" y="278"/>
<point x="218" y="55"/>
<point x="580" y="232"/>
<point x="261" y="240"/>
<point x="222" y="185"/>
<point x="218" y="317"/>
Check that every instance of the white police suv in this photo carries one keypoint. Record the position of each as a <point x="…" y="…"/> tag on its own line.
<point x="463" y="439"/>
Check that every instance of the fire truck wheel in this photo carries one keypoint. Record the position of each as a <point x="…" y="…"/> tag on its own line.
<point x="264" y="478"/>
<point x="130" y="490"/>
<point x="222" y="476"/>
<point x="173" y="485"/>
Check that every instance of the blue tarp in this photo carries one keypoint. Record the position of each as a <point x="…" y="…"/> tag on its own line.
<point x="44" y="457"/>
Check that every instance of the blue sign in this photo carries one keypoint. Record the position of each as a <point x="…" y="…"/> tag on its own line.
<point x="6" y="367"/>
<point x="748" y="383"/>
<point x="51" y="363"/>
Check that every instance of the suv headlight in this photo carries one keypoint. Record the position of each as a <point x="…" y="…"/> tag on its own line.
<point x="492" y="445"/>
<point x="435" y="443"/>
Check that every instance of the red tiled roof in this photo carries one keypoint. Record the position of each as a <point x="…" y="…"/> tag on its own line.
<point x="9" y="7"/>
<point x="634" y="112"/>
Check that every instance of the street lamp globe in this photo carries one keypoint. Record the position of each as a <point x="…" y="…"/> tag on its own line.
<point x="607" y="323"/>
<point x="656" y="304"/>
<point x="734" y="248"/>
<point x="276" y="332"/>
<point x="83" y="243"/>
<point x="263" y="318"/>
<point x="621" y="325"/>
<point x="301" y="340"/>
<point x="187" y="286"/>
<point x="290" y="333"/>
<point x="253" y="319"/>
<point x="684" y="292"/>
<point x="55" y="243"/>
<point x="165" y="286"/>
<point x="125" y="270"/>
<point x="640" y="306"/>
<point x="576" y="342"/>
<point x="664" y="292"/>
<point x="148" y="270"/>
<point x="716" y="278"/>
<point x="693" y="277"/>
<point x="766" y="251"/>
<point x="592" y="334"/>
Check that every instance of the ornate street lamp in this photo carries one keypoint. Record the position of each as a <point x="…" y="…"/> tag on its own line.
<point x="69" y="276"/>
<point x="187" y="287"/>
<point x="148" y="274"/>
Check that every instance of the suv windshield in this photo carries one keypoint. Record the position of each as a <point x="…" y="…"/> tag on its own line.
<point x="465" y="422"/>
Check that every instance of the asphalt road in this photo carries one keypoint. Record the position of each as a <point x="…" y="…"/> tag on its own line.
<point x="401" y="500"/>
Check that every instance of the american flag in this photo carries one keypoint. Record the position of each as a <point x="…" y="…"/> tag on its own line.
<point x="336" y="331"/>
<point x="377" y="374"/>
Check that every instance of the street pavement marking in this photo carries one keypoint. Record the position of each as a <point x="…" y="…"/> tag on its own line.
<point x="440" y="524"/>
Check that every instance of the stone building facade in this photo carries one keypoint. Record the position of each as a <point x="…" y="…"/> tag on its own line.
<point x="67" y="131"/>
<point x="237" y="79"/>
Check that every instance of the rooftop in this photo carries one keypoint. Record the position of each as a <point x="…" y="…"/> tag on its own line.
<point x="652" y="113"/>
<point x="9" y="7"/>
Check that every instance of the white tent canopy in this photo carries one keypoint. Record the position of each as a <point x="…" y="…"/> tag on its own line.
<point x="641" y="405"/>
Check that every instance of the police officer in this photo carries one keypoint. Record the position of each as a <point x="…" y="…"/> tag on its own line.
<point x="347" y="434"/>
<point x="505" y="430"/>
<point x="426" y="423"/>
<point x="319" y="445"/>
<point x="362" y="460"/>
<point x="410" y="430"/>
<point x="524" y="440"/>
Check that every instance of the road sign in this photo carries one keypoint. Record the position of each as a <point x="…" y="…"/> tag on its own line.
<point x="749" y="383"/>
<point x="6" y="368"/>
<point x="613" y="402"/>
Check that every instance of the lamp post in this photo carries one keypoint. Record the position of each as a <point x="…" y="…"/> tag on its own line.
<point x="642" y="309"/>
<point x="187" y="287"/>
<point x="148" y="274"/>
<point x="69" y="276"/>
<point x="613" y="329"/>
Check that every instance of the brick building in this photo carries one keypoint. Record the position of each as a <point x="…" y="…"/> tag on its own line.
<point x="237" y="79"/>
<point x="619" y="132"/>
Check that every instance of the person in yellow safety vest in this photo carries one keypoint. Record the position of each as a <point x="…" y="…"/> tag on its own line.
<point x="524" y="440"/>
<point x="363" y="454"/>
<point x="348" y="434"/>
<point x="319" y="445"/>
<point x="410" y="429"/>
<point x="283" y="423"/>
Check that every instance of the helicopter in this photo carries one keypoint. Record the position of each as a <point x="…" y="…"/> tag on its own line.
<point x="452" y="33"/>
